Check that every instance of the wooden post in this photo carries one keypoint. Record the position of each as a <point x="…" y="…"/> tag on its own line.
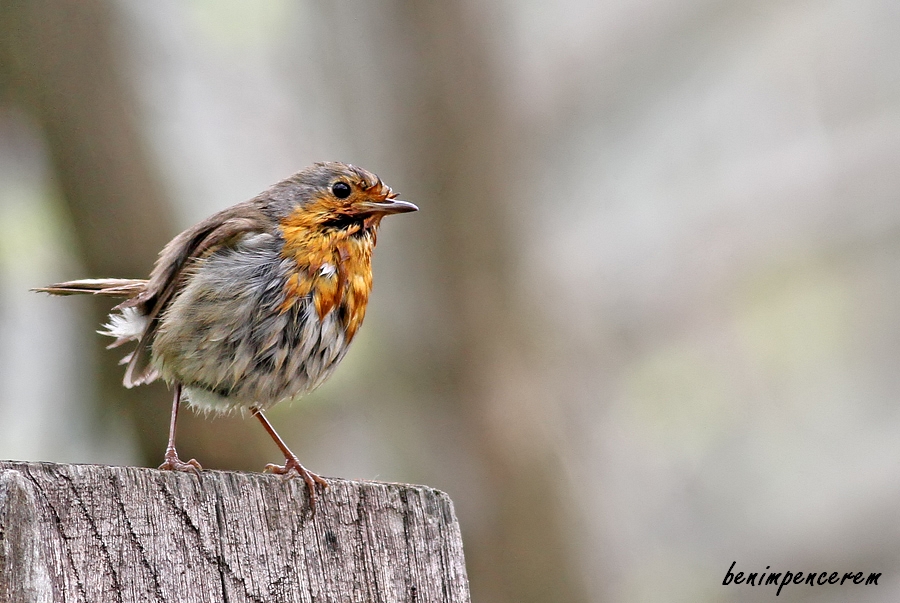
<point x="91" y="533"/>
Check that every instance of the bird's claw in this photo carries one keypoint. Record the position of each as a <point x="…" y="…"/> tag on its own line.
<point x="173" y="463"/>
<point x="293" y="467"/>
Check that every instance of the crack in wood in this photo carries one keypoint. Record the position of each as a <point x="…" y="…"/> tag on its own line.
<point x="95" y="532"/>
<point x="60" y="529"/>
<point x="116" y="491"/>
<point x="221" y="555"/>
<point x="215" y="559"/>
<point x="364" y="538"/>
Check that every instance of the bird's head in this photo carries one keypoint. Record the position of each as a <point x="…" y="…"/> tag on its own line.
<point x="332" y="208"/>
<point x="337" y="198"/>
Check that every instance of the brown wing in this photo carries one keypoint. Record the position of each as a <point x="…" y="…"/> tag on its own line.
<point x="219" y="230"/>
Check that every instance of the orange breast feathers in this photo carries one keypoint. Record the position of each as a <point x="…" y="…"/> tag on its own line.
<point x="334" y="266"/>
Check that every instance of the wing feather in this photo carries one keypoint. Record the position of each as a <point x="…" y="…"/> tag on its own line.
<point x="220" y="230"/>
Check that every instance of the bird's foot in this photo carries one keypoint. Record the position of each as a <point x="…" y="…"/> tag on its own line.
<point x="173" y="463"/>
<point x="293" y="467"/>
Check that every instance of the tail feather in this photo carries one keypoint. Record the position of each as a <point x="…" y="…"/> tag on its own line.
<point x="127" y="323"/>
<point x="110" y="287"/>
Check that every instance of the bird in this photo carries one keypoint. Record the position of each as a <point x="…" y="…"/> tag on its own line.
<point x="255" y="305"/>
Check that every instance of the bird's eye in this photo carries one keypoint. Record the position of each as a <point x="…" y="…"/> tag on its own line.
<point x="341" y="190"/>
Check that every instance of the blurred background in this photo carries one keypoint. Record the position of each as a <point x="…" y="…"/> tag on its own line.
<point x="645" y="324"/>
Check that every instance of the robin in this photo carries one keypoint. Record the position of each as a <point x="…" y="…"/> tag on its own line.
<point x="258" y="303"/>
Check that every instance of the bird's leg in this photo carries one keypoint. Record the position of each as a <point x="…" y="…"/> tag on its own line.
<point x="172" y="462"/>
<point x="291" y="463"/>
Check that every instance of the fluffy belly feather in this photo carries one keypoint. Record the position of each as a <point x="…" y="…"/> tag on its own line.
<point x="233" y="342"/>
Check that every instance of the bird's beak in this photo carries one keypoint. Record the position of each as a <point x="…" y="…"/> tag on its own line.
<point x="388" y="206"/>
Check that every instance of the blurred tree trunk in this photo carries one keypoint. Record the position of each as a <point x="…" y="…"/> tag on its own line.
<point x="456" y="142"/>
<point x="470" y="143"/>
<point x="60" y="63"/>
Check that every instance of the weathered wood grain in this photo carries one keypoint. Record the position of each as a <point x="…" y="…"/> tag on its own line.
<point x="90" y="533"/>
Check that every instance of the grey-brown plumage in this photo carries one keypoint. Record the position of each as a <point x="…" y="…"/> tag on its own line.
<point x="227" y="339"/>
